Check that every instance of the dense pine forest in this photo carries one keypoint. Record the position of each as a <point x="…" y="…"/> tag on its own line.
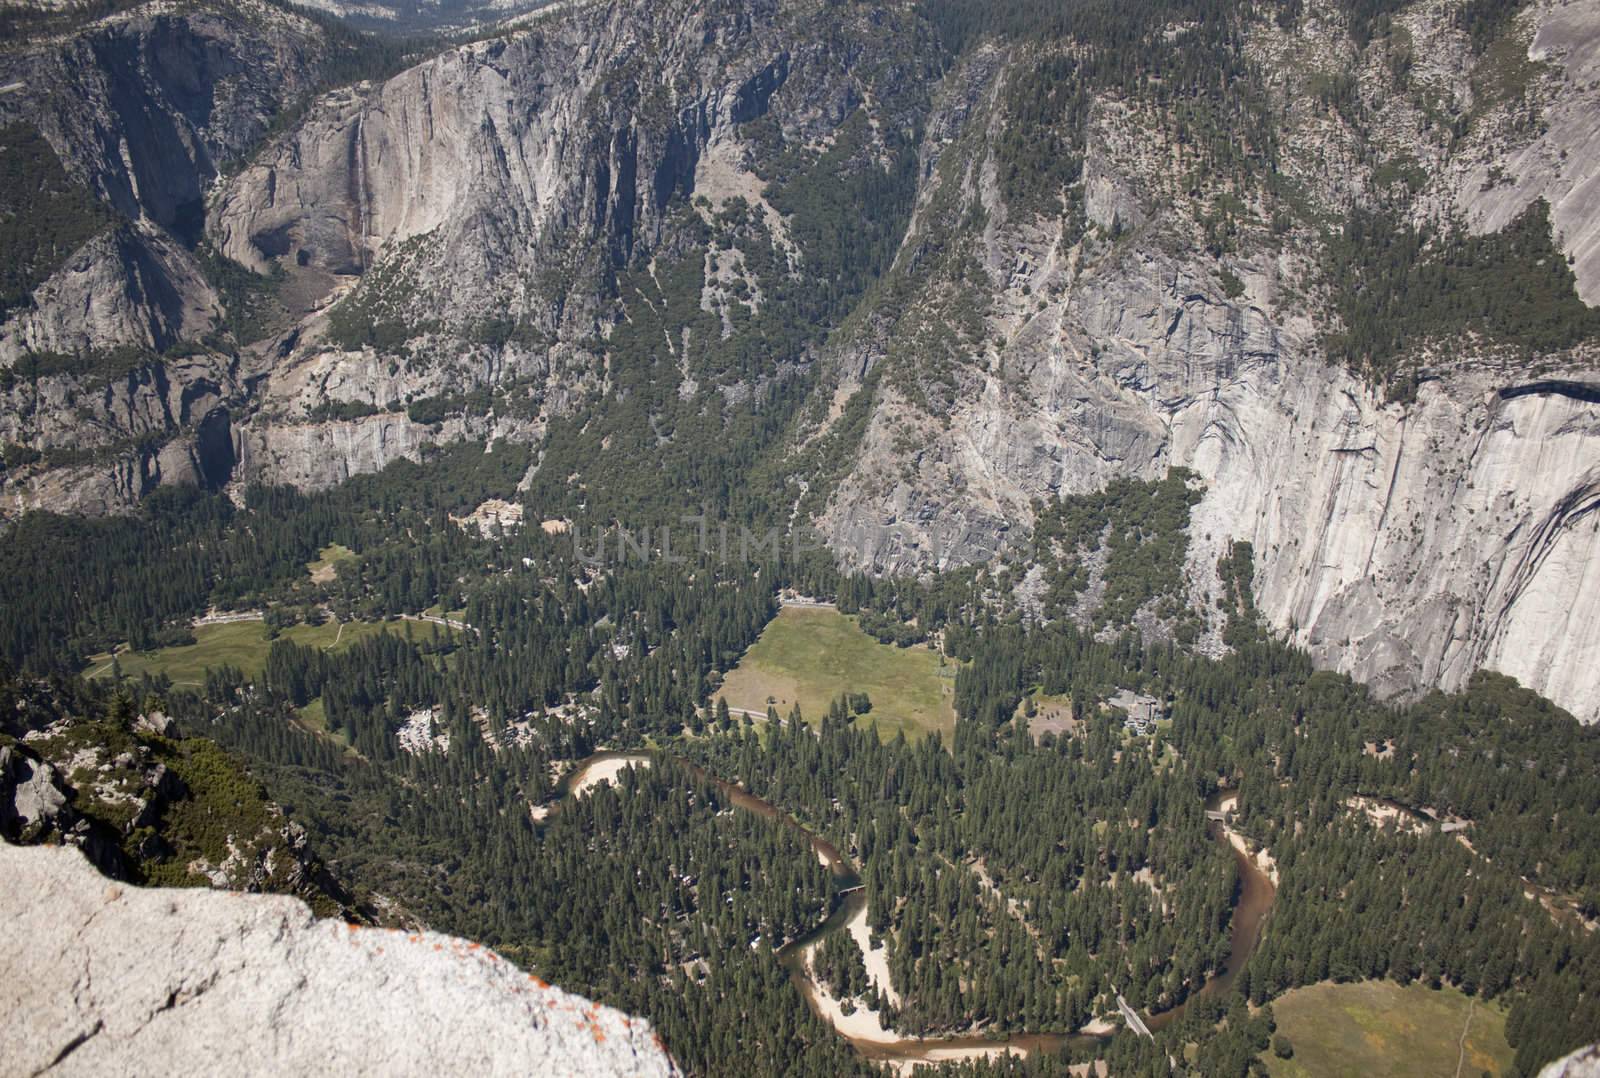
<point x="1019" y="880"/>
<point x="1023" y="875"/>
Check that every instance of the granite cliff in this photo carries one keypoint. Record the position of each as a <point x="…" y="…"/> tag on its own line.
<point x="456" y="252"/>
<point x="1406" y="541"/>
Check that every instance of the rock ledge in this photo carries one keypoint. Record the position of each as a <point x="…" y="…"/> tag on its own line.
<point x="103" y="978"/>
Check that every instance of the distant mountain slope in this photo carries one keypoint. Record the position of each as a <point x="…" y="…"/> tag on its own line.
<point x="901" y="270"/>
<point x="426" y="15"/>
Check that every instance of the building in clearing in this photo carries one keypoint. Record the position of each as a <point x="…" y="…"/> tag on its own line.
<point x="1143" y="711"/>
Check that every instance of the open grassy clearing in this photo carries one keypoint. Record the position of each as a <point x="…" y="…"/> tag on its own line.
<point x="1380" y="1029"/>
<point x="313" y="719"/>
<point x="326" y="567"/>
<point x="243" y="644"/>
<point x="811" y="655"/>
<point x="1051" y="714"/>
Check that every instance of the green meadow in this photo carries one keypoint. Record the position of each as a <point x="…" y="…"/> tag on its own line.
<point x="242" y="644"/>
<point x="811" y="655"/>
<point x="1382" y="1030"/>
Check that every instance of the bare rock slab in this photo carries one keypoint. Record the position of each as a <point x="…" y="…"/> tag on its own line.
<point x="100" y="978"/>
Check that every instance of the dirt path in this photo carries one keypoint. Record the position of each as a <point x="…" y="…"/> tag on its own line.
<point x="103" y="669"/>
<point x="876" y="959"/>
<point x="1461" y="1046"/>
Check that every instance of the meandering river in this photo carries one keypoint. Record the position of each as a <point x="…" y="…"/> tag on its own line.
<point x="1251" y="904"/>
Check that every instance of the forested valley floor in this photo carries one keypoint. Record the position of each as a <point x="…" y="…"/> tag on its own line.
<point x="1018" y="879"/>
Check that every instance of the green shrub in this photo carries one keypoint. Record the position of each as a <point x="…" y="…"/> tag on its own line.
<point x="16" y="456"/>
<point x="44" y="216"/>
<point x="250" y="300"/>
<point x="1397" y="287"/>
<point x="342" y="411"/>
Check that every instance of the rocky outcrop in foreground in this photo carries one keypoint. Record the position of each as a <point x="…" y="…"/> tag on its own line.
<point x="101" y="978"/>
<point x="1584" y="1063"/>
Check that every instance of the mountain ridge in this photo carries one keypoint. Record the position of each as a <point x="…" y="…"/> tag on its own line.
<point x="541" y="237"/>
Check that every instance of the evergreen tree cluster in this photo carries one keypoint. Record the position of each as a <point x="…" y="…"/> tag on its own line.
<point x="1143" y="530"/>
<point x="939" y="836"/>
<point x="44" y="216"/>
<point x="1398" y="287"/>
<point x="1016" y="882"/>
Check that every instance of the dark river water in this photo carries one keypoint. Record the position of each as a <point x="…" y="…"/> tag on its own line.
<point x="1252" y="902"/>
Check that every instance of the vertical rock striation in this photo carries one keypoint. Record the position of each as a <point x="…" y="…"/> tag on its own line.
<point x="1405" y="542"/>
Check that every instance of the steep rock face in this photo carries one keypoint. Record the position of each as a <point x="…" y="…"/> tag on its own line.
<point x="463" y="225"/>
<point x="105" y="978"/>
<point x="113" y="433"/>
<point x="146" y="106"/>
<point x="315" y="456"/>
<point x="1407" y="544"/>
<point x="459" y="228"/>
<point x="114" y="484"/>
<point x="132" y="286"/>
<point x="414" y="15"/>
<point x="143" y="108"/>
<point x="1562" y="165"/>
<point x="1435" y="539"/>
<point x="500" y="178"/>
<point x="81" y="408"/>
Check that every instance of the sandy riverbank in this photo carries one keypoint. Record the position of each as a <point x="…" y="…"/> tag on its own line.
<point x="605" y="770"/>
<point x="954" y="1055"/>
<point x="861" y="1024"/>
<point x="1261" y="858"/>
<point x="875" y="958"/>
<point x="864" y="1023"/>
